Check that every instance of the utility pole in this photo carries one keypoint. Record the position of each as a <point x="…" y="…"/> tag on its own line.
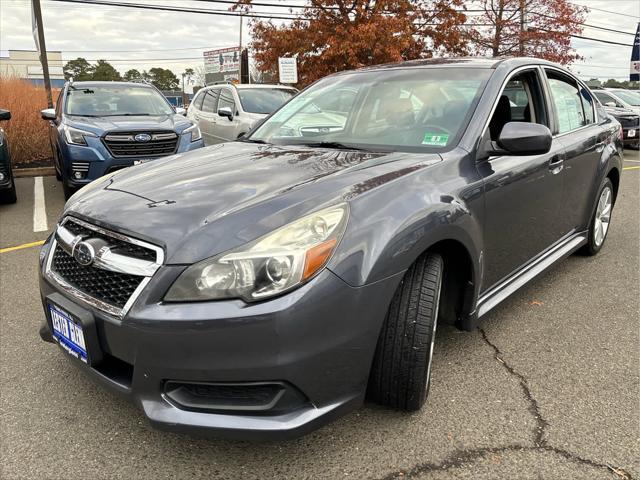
<point x="523" y="25"/>
<point x="38" y="34"/>
<point x="240" y="48"/>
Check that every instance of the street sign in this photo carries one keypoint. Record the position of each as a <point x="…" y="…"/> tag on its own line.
<point x="287" y="70"/>
<point x="634" y="74"/>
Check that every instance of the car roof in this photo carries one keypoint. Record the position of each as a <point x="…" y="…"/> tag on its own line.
<point x="251" y="86"/>
<point x="92" y="83"/>
<point x="464" y="62"/>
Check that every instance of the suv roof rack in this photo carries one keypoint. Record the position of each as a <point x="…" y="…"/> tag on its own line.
<point x="219" y="82"/>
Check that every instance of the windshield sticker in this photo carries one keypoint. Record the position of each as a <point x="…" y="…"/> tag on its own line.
<point x="435" y="139"/>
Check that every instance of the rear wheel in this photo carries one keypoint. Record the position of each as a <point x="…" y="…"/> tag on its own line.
<point x="599" y="226"/>
<point x="401" y="371"/>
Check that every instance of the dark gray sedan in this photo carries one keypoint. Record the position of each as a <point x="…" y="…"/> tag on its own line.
<point x="263" y="287"/>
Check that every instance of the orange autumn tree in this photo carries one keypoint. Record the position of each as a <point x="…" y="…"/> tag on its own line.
<point x="329" y="36"/>
<point x="534" y="28"/>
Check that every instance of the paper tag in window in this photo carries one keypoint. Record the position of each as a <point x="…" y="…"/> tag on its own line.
<point x="435" y="139"/>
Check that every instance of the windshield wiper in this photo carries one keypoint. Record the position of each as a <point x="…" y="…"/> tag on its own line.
<point x="251" y="140"/>
<point x="337" y="145"/>
<point x="129" y="115"/>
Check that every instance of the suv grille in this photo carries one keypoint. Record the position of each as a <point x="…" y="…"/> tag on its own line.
<point x="122" y="145"/>
<point x="109" y="287"/>
<point x="629" y="122"/>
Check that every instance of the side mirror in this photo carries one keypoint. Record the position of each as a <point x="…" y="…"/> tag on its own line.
<point x="181" y="111"/>
<point x="226" y="112"/>
<point x="48" y="114"/>
<point x="610" y="104"/>
<point x="5" y="115"/>
<point x="524" y="138"/>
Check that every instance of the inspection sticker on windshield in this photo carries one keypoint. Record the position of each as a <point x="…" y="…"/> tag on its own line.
<point x="435" y="139"/>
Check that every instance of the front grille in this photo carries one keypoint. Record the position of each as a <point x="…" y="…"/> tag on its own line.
<point x="116" y="245"/>
<point x="122" y="145"/>
<point x="629" y="122"/>
<point x="109" y="287"/>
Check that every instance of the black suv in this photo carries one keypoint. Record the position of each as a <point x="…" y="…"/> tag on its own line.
<point x="7" y="184"/>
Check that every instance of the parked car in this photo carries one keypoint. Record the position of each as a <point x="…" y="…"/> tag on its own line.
<point x="7" y="184"/>
<point x="263" y="287"/>
<point x="629" y="118"/>
<point x="227" y="111"/>
<point x="619" y="98"/>
<point x="99" y="127"/>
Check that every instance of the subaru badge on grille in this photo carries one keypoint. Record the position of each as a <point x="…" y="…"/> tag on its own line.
<point x="142" y="137"/>
<point x="83" y="253"/>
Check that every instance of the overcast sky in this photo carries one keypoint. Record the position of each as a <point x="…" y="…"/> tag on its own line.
<point x="124" y="36"/>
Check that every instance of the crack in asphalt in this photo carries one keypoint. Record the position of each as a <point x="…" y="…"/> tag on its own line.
<point x="459" y="458"/>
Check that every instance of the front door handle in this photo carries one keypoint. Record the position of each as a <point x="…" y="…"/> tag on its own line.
<point x="556" y="164"/>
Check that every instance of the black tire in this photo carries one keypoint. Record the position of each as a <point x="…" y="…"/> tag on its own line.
<point x="592" y="247"/>
<point x="67" y="189"/>
<point x="400" y="374"/>
<point x="9" y="195"/>
<point x="56" y="164"/>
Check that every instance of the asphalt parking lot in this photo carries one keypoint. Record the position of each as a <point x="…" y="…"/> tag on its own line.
<point x="548" y="388"/>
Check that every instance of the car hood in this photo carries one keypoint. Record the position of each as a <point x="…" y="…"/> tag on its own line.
<point x="204" y="202"/>
<point x="620" y="112"/>
<point x="100" y="125"/>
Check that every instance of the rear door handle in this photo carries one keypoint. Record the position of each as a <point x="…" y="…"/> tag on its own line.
<point x="556" y="164"/>
<point x="600" y="147"/>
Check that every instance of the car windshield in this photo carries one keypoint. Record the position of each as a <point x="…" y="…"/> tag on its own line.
<point x="632" y="98"/>
<point x="263" y="100"/>
<point x="109" y="101"/>
<point x="409" y="109"/>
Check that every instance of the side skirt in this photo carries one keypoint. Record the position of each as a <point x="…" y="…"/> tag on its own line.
<point x="498" y="293"/>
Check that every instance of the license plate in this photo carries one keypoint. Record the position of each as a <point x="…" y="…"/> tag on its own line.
<point x="141" y="161"/>
<point x="68" y="333"/>
<point x="632" y="133"/>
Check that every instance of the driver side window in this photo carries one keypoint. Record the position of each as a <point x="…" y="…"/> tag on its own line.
<point x="520" y="101"/>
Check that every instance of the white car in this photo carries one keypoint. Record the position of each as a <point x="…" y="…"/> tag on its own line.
<point x="620" y="98"/>
<point x="226" y="111"/>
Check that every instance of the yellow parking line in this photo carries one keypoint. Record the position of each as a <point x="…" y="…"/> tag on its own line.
<point x="20" y="247"/>
<point x="632" y="168"/>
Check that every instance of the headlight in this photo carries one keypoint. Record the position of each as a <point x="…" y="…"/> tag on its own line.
<point x="268" y="266"/>
<point x="195" y="132"/>
<point x="76" y="136"/>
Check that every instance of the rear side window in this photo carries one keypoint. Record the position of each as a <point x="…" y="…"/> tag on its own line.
<point x="197" y="103"/>
<point x="568" y="102"/>
<point x="210" y="100"/>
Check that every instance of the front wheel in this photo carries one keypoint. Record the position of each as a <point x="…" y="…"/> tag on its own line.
<point x="599" y="226"/>
<point x="401" y="371"/>
<point x="9" y="195"/>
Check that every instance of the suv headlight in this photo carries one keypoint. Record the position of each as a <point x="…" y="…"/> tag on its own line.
<point x="268" y="266"/>
<point x="195" y="132"/>
<point x="75" y="136"/>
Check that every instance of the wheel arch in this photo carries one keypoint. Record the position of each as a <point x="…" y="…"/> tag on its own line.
<point x="614" y="175"/>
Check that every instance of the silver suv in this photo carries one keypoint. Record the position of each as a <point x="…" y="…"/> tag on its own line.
<point x="224" y="112"/>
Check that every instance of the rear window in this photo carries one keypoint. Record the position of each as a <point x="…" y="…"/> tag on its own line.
<point x="263" y="100"/>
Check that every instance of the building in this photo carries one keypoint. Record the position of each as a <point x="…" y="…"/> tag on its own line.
<point x="26" y="64"/>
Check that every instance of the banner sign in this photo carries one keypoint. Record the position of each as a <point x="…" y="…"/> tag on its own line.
<point x="634" y="74"/>
<point x="224" y="60"/>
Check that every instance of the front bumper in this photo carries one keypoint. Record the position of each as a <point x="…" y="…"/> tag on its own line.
<point x="95" y="160"/>
<point x="318" y="341"/>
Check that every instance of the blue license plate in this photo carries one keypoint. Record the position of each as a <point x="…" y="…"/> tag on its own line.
<point x="68" y="333"/>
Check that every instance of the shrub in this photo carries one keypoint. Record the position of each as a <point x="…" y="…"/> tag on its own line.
<point x="27" y="133"/>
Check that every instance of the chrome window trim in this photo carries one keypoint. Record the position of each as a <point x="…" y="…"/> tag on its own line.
<point x="67" y="240"/>
<point x="502" y="87"/>
<point x="540" y="68"/>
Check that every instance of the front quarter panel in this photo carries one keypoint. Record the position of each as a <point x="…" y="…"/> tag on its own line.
<point x="391" y="226"/>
